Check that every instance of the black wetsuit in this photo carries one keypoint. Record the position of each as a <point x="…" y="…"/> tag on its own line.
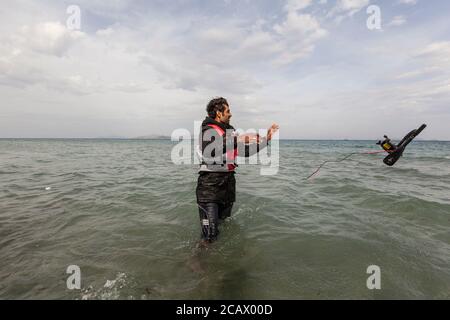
<point x="216" y="190"/>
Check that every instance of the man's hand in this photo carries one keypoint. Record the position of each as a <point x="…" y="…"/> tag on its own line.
<point x="274" y="128"/>
<point x="250" y="138"/>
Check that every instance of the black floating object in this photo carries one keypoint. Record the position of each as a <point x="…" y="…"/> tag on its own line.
<point x="392" y="157"/>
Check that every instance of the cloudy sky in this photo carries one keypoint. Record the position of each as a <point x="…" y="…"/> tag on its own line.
<point x="148" y="67"/>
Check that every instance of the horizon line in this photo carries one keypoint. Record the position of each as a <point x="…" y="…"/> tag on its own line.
<point x="165" y="139"/>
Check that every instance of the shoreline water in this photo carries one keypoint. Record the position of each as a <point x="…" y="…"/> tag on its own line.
<point x="127" y="217"/>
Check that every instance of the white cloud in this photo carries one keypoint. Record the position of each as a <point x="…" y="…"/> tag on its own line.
<point x="397" y="21"/>
<point x="298" y="24"/>
<point x="409" y="2"/>
<point x="223" y="57"/>
<point x="351" y="6"/>
<point x="425" y="86"/>
<point x="347" y="8"/>
<point x="131" y="68"/>
<point x="221" y="35"/>
<point x="416" y="73"/>
<point x="105" y="32"/>
<point x="209" y="56"/>
<point x="299" y="34"/>
<point x="115" y="9"/>
<point x="51" y="38"/>
<point x="294" y="5"/>
<point x="51" y="56"/>
<point x="437" y="49"/>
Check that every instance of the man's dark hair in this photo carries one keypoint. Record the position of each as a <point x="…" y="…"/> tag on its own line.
<point x="216" y="105"/>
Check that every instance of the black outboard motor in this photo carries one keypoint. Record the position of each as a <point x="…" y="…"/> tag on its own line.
<point x="387" y="145"/>
<point x="396" y="151"/>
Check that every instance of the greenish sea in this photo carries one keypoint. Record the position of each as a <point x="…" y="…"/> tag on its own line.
<point x="127" y="216"/>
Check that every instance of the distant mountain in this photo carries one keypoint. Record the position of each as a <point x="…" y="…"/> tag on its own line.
<point x="112" y="137"/>
<point x="152" y="137"/>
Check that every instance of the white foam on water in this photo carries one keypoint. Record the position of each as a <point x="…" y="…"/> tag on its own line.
<point x="111" y="290"/>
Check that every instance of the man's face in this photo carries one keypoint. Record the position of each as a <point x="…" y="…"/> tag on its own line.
<point x="224" y="116"/>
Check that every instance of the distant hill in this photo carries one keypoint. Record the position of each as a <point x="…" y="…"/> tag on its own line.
<point x="111" y="137"/>
<point x="152" y="137"/>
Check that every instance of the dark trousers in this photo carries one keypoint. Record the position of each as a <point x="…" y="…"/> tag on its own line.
<point x="211" y="215"/>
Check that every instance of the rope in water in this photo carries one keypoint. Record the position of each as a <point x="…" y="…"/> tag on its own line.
<point x="346" y="157"/>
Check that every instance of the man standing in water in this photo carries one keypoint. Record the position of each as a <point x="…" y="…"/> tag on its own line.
<point x="216" y="186"/>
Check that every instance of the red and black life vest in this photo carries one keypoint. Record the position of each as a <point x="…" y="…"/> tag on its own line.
<point x="230" y="156"/>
